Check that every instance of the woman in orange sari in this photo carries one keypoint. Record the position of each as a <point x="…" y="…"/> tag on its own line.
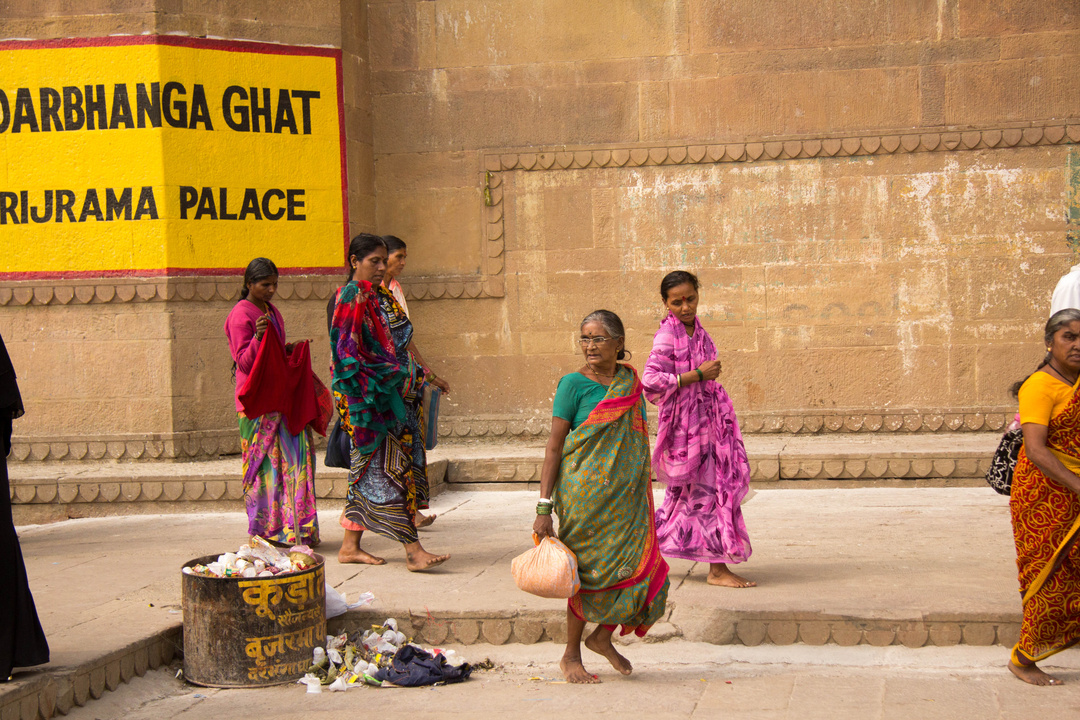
<point x="1044" y="502"/>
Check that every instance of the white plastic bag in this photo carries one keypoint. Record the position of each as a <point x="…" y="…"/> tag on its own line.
<point x="337" y="604"/>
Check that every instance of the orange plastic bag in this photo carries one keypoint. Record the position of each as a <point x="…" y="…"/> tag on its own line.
<point x="548" y="570"/>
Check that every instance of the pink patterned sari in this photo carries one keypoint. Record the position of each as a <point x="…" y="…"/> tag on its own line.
<point x="699" y="452"/>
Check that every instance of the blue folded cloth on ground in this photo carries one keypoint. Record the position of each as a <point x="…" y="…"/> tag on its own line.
<point x="415" y="667"/>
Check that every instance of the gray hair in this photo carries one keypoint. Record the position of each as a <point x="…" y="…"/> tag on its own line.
<point x="1059" y="320"/>
<point x="612" y="326"/>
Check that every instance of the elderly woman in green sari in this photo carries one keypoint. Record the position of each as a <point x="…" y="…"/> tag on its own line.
<point x="597" y="479"/>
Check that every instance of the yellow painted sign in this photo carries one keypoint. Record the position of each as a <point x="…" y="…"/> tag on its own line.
<point x="153" y="155"/>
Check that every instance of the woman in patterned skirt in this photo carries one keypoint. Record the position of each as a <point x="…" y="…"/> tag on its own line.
<point x="378" y="384"/>
<point x="1044" y="502"/>
<point x="278" y="466"/>
<point x="699" y="449"/>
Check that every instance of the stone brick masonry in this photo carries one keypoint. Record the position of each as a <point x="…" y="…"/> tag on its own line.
<point x="877" y="197"/>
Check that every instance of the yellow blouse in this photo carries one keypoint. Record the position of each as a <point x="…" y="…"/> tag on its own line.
<point x="1042" y="397"/>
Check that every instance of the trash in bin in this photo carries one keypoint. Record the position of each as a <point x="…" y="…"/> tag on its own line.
<point x="253" y="617"/>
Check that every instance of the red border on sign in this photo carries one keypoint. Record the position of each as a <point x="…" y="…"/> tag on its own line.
<point x="228" y="46"/>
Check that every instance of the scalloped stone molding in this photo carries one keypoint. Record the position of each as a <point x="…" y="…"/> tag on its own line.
<point x="939" y="421"/>
<point x="145" y="490"/>
<point x="933" y="467"/>
<point x="744" y="629"/>
<point x="210" y="444"/>
<point x="135" y="290"/>
<point x="787" y="148"/>
<point x="162" y="446"/>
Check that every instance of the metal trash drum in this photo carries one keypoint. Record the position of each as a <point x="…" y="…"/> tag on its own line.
<point x="252" y="632"/>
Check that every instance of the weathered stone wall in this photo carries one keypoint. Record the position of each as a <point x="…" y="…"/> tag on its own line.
<point x="875" y="195"/>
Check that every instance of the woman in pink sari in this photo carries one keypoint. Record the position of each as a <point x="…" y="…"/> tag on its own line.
<point x="699" y="449"/>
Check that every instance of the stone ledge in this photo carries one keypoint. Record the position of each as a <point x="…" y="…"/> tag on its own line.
<point x="845" y="460"/>
<point x="101" y="291"/>
<point x="180" y="446"/>
<point x="91" y="489"/>
<point x="74" y="291"/>
<point x="44" y="693"/>
<point x="1064" y="132"/>
<point x="795" y="458"/>
<point x="211" y="444"/>
<point x="950" y="420"/>
<point x="738" y="628"/>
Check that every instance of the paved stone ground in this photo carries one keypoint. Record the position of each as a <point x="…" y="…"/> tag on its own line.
<point x="902" y="555"/>
<point x="671" y="680"/>
<point x="836" y="567"/>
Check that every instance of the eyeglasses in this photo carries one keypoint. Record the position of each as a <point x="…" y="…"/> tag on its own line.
<point x="594" y="341"/>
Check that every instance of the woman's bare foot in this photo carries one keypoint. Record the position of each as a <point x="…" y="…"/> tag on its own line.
<point x="721" y="576"/>
<point x="575" y="672"/>
<point x="422" y="520"/>
<point x="420" y="559"/>
<point x="1033" y="675"/>
<point x="356" y="555"/>
<point x="602" y="646"/>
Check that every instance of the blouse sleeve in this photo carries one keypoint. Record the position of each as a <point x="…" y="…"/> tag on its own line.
<point x="659" y="379"/>
<point x="566" y="400"/>
<point x="243" y="344"/>
<point x="1036" y="403"/>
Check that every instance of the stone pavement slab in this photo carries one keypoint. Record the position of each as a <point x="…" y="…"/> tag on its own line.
<point x="858" y="566"/>
<point x="671" y="680"/>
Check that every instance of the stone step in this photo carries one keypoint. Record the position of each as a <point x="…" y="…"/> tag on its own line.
<point x="44" y="492"/>
<point x="748" y="628"/>
<point x="854" y="566"/>
<point x="814" y="461"/>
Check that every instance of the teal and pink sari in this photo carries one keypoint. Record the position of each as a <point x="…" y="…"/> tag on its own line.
<point x="605" y="506"/>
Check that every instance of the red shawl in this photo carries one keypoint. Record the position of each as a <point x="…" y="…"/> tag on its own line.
<point x="284" y="383"/>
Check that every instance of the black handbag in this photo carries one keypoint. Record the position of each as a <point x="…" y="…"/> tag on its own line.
<point x="1000" y="474"/>
<point x="338" y="448"/>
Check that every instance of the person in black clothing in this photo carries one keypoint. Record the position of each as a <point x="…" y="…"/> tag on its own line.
<point x="22" y="641"/>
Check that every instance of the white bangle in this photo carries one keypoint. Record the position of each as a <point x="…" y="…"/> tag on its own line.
<point x="544" y="501"/>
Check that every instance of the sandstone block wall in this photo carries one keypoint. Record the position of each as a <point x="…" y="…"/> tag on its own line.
<point x="878" y="198"/>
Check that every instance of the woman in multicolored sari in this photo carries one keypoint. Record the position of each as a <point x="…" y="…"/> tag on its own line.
<point x="398" y="253"/>
<point x="597" y="479"/>
<point x="279" y="467"/>
<point x="699" y="449"/>
<point x="378" y="385"/>
<point x="1045" y="505"/>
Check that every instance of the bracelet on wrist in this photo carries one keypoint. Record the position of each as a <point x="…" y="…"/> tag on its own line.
<point x="543" y="509"/>
<point x="545" y="501"/>
<point x="700" y="375"/>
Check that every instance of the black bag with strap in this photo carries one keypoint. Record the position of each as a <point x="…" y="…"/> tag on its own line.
<point x="338" y="448"/>
<point x="1000" y="474"/>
